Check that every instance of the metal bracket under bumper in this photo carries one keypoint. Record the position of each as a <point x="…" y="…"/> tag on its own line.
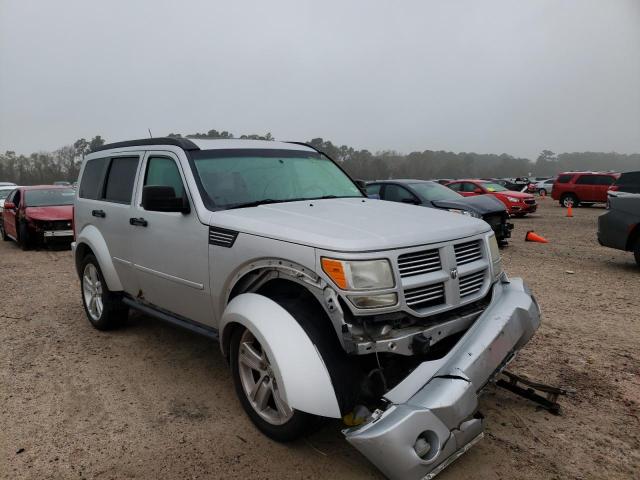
<point x="432" y="417"/>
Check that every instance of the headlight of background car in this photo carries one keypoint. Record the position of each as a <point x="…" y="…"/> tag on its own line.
<point x="465" y="212"/>
<point x="513" y="199"/>
<point x="363" y="275"/>
<point x="494" y="252"/>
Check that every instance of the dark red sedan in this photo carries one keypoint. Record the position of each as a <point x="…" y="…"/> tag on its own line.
<point x="518" y="203"/>
<point x="38" y="214"/>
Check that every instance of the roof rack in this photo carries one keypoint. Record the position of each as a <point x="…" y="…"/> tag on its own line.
<point x="183" y="143"/>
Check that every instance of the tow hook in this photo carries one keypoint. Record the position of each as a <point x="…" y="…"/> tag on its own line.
<point x="544" y="395"/>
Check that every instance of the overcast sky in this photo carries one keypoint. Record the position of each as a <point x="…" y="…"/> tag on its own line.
<point x="484" y="76"/>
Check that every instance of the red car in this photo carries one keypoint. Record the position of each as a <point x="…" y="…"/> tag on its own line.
<point x="40" y="214"/>
<point x="518" y="203"/>
<point x="574" y="188"/>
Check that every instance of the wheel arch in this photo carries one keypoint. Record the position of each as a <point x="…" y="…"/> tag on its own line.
<point x="634" y="236"/>
<point x="300" y="369"/>
<point x="91" y="241"/>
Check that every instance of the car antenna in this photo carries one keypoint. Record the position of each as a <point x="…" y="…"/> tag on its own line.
<point x="150" y="136"/>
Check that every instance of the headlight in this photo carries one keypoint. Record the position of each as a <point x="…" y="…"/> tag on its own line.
<point x="494" y="252"/>
<point x="513" y="199"/>
<point x="359" y="274"/>
<point x="465" y="212"/>
<point x="374" y="301"/>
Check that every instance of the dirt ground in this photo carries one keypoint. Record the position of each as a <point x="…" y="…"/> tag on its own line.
<point x="152" y="401"/>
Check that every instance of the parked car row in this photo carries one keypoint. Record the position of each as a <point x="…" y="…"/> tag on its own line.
<point x="37" y="215"/>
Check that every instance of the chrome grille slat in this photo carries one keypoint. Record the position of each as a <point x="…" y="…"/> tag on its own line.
<point x="467" y="252"/>
<point x="472" y="283"/>
<point x="427" y="296"/>
<point x="417" y="263"/>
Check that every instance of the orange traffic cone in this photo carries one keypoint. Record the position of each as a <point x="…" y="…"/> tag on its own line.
<point x="532" y="236"/>
<point x="570" y="211"/>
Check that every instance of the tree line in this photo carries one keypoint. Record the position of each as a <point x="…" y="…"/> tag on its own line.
<point x="64" y="163"/>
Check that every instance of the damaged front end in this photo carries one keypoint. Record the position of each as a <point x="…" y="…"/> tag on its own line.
<point x="431" y="417"/>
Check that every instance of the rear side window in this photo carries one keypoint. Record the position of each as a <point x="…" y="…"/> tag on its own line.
<point x="120" y="180"/>
<point x="604" y="179"/>
<point x="629" y="182"/>
<point x="92" y="178"/>
<point x="163" y="171"/>
<point x="564" y="178"/>
<point x="455" y="186"/>
<point x="396" y="193"/>
<point x="586" y="180"/>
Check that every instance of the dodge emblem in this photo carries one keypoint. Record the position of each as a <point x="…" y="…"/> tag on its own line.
<point x="454" y="273"/>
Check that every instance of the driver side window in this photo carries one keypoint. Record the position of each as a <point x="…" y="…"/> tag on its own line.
<point x="396" y="193"/>
<point x="163" y="171"/>
<point x="468" y="187"/>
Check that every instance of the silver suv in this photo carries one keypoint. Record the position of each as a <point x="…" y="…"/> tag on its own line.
<point x="325" y="303"/>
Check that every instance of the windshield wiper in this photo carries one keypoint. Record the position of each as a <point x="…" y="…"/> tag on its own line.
<point x="265" y="201"/>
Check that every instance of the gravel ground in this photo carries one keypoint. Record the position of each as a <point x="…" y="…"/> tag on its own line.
<point x="152" y="401"/>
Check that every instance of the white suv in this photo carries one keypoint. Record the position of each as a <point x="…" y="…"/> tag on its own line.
<point x="326" y="303"/>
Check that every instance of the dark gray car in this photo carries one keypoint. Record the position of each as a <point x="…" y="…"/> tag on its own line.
<point x="432" y="194"/>
<point x="619" y="227"/>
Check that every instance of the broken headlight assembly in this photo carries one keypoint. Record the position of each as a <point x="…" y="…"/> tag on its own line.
<point x="358" y="275"/>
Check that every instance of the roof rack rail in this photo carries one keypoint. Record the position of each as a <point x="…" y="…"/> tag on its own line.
<point x="183" y="143"/>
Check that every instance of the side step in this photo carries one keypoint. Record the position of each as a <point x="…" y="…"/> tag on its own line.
<point x="195" y="327"/>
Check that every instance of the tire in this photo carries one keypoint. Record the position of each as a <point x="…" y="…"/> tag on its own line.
<point x="104" y="308"/>
<point x="23" y="236"/>
<point x="273" y="418"/>
<point x="636" y="252"/>
<point x="542" y="191"/>
<point x="569" y="198"/>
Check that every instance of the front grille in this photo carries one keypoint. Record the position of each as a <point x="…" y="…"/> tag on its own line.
<point x="468" y="252"/>
<point x="530" y="202"/>
<point x="423" y="297"/>
<point x="417" y="263"/>
<point x="472" y="283"/>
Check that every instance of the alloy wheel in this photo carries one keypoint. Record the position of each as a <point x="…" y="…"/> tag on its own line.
<point x="259" y="382"/>
<point x="92" y="292"/>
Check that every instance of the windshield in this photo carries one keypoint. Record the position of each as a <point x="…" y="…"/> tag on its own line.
<point x="494" y="187"/>
<point x="45" y="198"/>
<point x="4" y="193"/>
<point x="239" y="177"/>
<point x="433" y="191"/>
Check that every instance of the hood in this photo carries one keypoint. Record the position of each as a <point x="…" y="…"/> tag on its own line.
<point x="515" y="194"/>
<point x="55" y="212"/>
<point x="482" y="204"/>
<point x="350" y="224"/>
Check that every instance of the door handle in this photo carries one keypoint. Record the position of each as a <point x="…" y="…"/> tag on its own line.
<point x="139" y="222"/>
<point x="98" y="213"/>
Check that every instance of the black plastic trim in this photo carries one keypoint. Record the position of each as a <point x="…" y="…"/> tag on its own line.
<point x="231" y="234"/>
<point x="185" y="323"/>
<point x="183" y="143"/>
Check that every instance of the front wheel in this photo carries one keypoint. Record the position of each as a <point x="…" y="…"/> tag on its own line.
<point x="256" y="385"/>
<point x="103" y="307"/>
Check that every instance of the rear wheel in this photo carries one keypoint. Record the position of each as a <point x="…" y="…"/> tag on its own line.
<point x="542" y="191"/>
<point x="569" y="199"/>
<point x="103" y="307"/>
<point x="636" y="252"/>
<point x="254" y="378"/>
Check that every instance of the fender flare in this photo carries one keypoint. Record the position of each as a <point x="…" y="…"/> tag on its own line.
<point x="91" y="237"/>
<point x="300" y="371"/>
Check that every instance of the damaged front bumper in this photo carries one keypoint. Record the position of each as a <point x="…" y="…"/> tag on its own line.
<point x="432" y="415"/>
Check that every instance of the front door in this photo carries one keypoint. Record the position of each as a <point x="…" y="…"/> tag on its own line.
<point x="170" y="249"/>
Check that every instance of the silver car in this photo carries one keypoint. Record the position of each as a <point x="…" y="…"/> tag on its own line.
<point x="325" y="303"/>
<point x="544" y="187"/>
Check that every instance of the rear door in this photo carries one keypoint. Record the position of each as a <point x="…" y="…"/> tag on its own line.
<point x="171" y="249"/>
<point x="603" y="183"/>
<point x="105" y="201"/>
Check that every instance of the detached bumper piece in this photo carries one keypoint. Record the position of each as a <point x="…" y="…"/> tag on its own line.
<point x="432" y="416"/>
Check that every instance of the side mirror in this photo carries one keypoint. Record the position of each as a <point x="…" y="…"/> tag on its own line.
<point x="9" y="206"/>
<point x="478" y="190"/>
<point x="156" y="198"/>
